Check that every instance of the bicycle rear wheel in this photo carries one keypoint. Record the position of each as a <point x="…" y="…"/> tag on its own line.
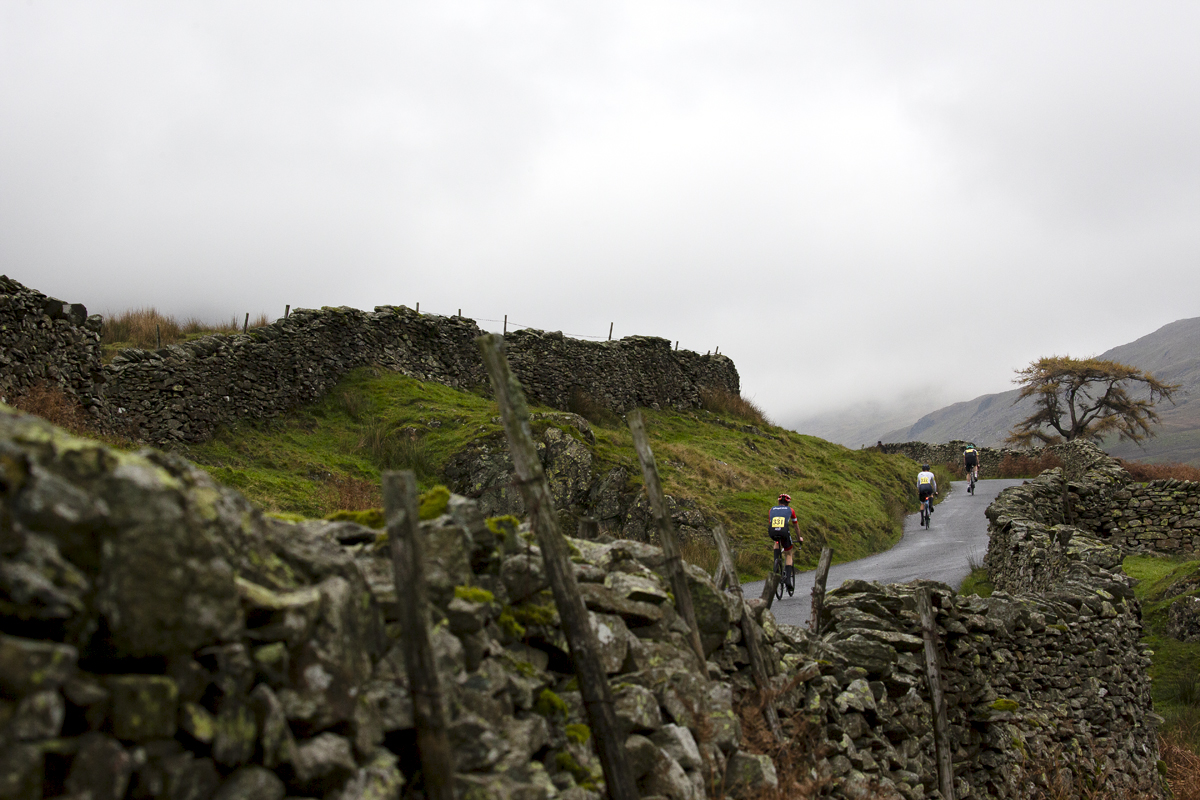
<point x="778" y="576"/>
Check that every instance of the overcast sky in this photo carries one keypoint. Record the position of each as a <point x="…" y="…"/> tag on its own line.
<point x="854" y="200"/>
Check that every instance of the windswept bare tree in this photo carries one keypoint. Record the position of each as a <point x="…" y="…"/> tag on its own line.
<point x="1087" y="399"/>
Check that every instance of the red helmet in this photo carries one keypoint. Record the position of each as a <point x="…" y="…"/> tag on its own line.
<point x="785" y="498"/>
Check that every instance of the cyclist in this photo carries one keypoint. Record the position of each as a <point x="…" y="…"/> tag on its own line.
<point x="926" y="485"/>
<point x="780" y="515"/>
<point x="971" y="460"/>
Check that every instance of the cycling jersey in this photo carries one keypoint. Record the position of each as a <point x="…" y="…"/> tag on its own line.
<point x="971" y="456"/>
<point x="779" y="522"/>
<point x="926" y="484"/>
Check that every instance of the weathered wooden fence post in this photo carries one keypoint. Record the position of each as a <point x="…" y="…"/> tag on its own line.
<point x="768" y="592"/>
<point x="588" y="528"/>
<point x="933" y="673"/>
<point x="287" y="309"/>
<point x="818" y="590"/>
<point x="666" y="532"/>
<point x="408" y="565"/>
<point x="585" y="649"/>
<point x="758" y="666"/>
<point x="246" y="324"/>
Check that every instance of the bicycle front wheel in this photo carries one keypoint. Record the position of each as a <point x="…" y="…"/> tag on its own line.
<point x="778" y="578"/>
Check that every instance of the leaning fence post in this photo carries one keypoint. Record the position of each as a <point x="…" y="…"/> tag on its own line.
<point x="933" y="673"/>
<point x="818" y="590"/>
<point x="666" y="532"/>
<point x="246" y="324"/>
<point x="408" y="565"/>
<point x="585" y="649"/>
<point x="769" y="586"/>
<point x="287" y="309"/>
<point x="758" y="667"/>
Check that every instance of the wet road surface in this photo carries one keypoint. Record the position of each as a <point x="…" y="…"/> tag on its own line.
<point x="957" y="536"/>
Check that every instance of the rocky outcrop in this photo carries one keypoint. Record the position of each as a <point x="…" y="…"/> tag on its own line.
<point x="182" y="392"/>
<point x="581" y="488"/>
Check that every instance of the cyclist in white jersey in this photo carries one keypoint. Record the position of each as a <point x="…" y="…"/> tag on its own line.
<point x="926" y="485"/>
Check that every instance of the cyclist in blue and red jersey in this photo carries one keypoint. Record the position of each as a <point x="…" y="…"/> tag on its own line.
<point x="778" y="519"/>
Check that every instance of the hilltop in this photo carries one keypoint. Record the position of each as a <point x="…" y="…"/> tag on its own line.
<point x="1172" y="353"/>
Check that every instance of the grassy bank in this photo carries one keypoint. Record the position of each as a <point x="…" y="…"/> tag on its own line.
<point x="329" y="456"/>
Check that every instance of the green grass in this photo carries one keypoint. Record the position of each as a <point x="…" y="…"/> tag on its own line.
<point x="328" y="457"/>
<point x="1175" y="672"/>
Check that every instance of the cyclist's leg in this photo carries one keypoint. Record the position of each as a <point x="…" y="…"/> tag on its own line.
<point x="788" y="572"/>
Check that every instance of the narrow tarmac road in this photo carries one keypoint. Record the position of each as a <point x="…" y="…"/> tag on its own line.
<point x="957" y="536"/>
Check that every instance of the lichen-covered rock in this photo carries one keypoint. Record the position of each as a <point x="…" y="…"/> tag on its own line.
<point x="101" y="767"/>
<point x="251" y="783"/>
<point x="22" y="771"/>
<point x="377" y="779"/>
<point x="143" y="706"/>
<point x="666" y="778"/>
<point x="748" y="774"/>
<point x="637" y="709"/>
<point x="1183" y="619"/>
<point x="234" y="735"/>
<point x="324" y="762"/>
<point x="38" y="715"/>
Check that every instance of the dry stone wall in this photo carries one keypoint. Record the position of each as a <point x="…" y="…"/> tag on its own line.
<point x="990" y="458"/>
<point x="159" y="637"/>
<point x="183" y="392"/>
<point x="44" y="340"/>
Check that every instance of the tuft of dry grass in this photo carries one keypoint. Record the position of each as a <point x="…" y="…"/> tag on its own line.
<point x="794" y="759"/>
<point x="1158" y="472"/>
<point x="51" y="403"/>
<point x="1026" y="466"/>
<point x="146" y="327"/>
<point x="723" y="401"/>
<point x="1183" y="767"/>
<point x="357" y="494"/>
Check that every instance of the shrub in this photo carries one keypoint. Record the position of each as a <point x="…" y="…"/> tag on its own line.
<point x="1157" y="472"/>
<point x="389" y="447"/>
<point x="591" y="409"/>
<point x="52" y="404"/>
<point x="723" y="401"/>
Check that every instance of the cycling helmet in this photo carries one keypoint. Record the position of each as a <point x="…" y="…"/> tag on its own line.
<point x="785" y="498"/>
<point x="925" y="467"/>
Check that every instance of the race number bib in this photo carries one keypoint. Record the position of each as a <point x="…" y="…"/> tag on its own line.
<point x="778" y="523"/>
<point x="924" y="480"/>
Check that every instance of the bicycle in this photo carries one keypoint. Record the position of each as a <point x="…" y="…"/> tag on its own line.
<point x="926" y="512"/>
<point x="971" y="477"/>
<point x="779" y="574"/>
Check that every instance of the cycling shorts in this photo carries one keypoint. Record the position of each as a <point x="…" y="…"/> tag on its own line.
<point x="924" y="491"/>
<point x="784" y="538"/>
<point x="972" y="459"/>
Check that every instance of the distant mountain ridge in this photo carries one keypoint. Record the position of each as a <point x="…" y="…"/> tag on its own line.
<point x="1171" y="353"/>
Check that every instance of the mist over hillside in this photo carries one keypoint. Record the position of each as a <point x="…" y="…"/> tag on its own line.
<point x="1171" y="353"/>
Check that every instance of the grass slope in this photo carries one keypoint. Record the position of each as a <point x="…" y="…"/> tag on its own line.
<point x="328" y="457"/>
<point x="1176" y="665"/>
